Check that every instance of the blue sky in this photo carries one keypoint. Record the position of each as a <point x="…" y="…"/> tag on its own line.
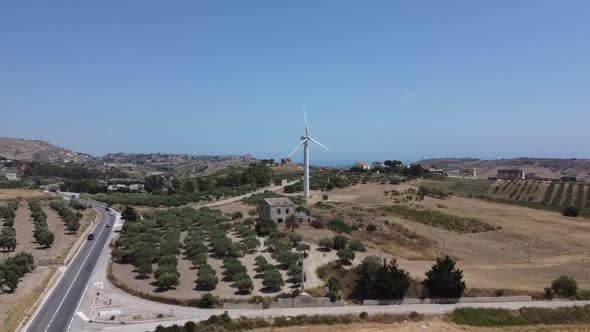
<point x="380" y="79"/>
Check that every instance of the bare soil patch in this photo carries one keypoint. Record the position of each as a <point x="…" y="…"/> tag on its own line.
<point x="63" y="242"/>
<point x="7" y="194"/>
<point x="186" y="290"/>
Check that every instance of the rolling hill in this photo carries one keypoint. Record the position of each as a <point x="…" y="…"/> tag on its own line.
<point x="25" y="149"/>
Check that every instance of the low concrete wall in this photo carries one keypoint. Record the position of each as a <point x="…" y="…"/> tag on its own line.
<point x="307" y="301"/>
<point x="242" y="306"/>
<point x="523" y="298"/>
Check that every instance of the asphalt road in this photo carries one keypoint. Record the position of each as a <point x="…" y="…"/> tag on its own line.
<point x="57" y="311"/>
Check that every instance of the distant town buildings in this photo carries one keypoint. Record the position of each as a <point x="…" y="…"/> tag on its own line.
<point x="125" y="188"/>
<point x="365" y="166"/>
<point x="568" y="179"/>
<point x="378" y="164"/>
<point x="11" y="176"/>
<point x="438" y="171"/>
<point x="511" y="174"/>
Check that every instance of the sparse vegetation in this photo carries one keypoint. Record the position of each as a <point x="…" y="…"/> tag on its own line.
<point x="439" y="219"/>
<point x="490" y="317"/>
<point x="339" y="226"/>
<point x="224" y="323"/>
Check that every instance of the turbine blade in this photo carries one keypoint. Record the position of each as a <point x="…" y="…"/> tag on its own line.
<point x="305" y="119"/>
<point x="318" y="143"/>
<point x="296" y="148"/>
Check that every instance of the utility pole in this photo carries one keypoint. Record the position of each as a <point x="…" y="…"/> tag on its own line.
<point x="301" y="256"/>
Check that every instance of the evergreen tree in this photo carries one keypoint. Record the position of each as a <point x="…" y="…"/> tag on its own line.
<point x="129" y="214"/>
<point x="443" y="280"/>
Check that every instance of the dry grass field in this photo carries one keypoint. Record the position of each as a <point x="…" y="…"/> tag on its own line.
<point x="557" y="245"/>
<point x="21" y="194"/>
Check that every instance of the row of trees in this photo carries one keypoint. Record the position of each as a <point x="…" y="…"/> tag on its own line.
<point x="74" y="172"/>
<point x="345" y="248"/>
<point x="76" y="204"/>
<point x="8" y="213"/>
<point x="387" y="281"/>
<point x="167" y="274"/>
<point x="434" y="192"/>
<point x="257" y="174"/>
<point x="14" y="268"/>
<point x="236" y="272"/>
<point x="196" y="250"/>
<point x="281" y="247"/>
<point x="8" y="239"/>
<point x="136" y="243"/>
<point x="272" y="279"/>
<point x="69" y="217"/>
<point x="41" y="233"/>
<point x="8" y="233"/>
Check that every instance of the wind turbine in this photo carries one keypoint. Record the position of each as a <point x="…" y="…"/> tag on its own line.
<point x="305" y="143"/>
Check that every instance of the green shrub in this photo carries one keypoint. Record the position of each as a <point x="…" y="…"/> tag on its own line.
<point x="357" y="245"/>
<point x="570" y="211"/>
<point x="565" y="286"/>
<point x="208" y="301"/>
<point x="326" y="243"/>
<point x="265" y="227"/>
<point x="339" y="226"/>
<point x="273" y="280"/>
<point x="244" y="284"/>
<point x="583" y="295"/>
<point x="339" y="242"/>
<point x="486" y="317"/>
<point x="346" y="256"/>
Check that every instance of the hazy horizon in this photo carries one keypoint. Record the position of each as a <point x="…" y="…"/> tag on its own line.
<point x="403" y="81"/>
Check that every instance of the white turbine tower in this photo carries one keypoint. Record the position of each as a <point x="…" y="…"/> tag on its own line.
<point x="305" y="142"/>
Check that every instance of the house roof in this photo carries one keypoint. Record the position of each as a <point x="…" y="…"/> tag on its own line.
<point x="278" y="201"/>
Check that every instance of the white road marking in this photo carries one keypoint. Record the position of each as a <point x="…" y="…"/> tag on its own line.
<point x="75" y="277"/>
<point x="83" y="316"/>
<point x="99" y="284"/>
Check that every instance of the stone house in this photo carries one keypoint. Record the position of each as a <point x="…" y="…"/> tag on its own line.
<point x="276" y="209"/>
